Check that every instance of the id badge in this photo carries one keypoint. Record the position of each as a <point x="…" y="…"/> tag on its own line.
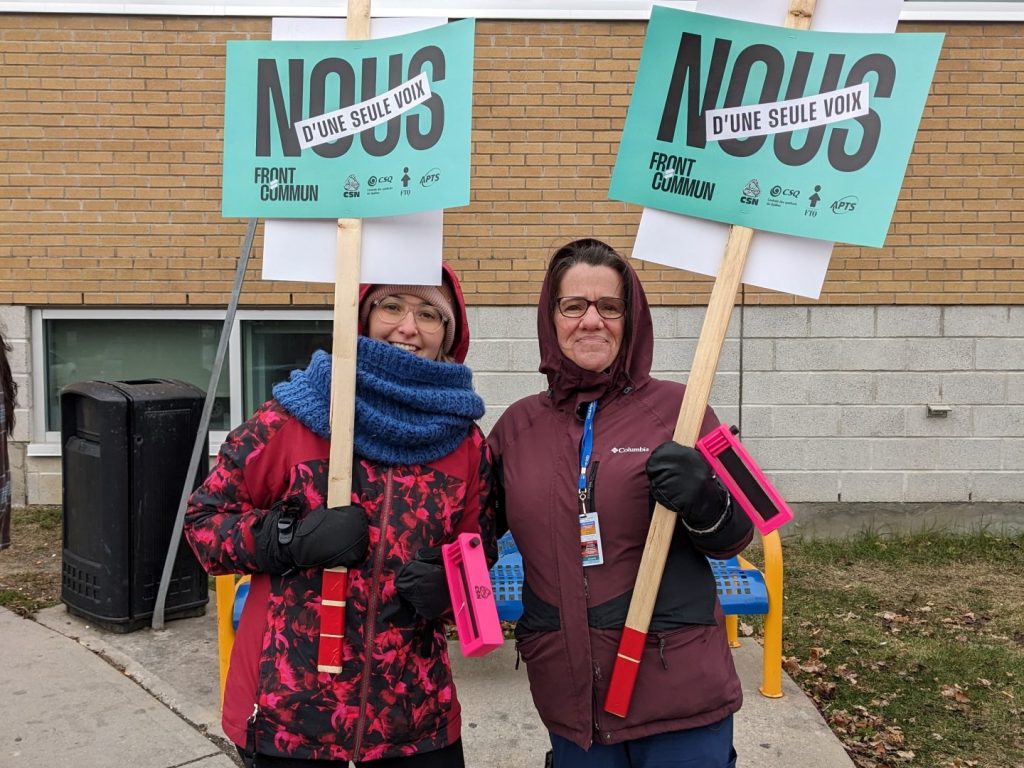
<point x="590" y="540"/>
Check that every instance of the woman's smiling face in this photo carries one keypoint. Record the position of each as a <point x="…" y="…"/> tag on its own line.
<point x="590" y="341"/>
<point x="406" y="333"/>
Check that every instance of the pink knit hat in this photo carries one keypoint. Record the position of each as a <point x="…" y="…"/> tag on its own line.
<point x="432" y="294"/>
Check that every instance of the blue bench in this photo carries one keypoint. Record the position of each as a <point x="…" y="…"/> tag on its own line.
<point x="742" y="591"/>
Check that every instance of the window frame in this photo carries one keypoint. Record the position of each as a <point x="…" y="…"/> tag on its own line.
<point x="47" y="442"/>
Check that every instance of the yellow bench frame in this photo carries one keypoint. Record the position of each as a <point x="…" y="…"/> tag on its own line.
<point x="771" y="673"/>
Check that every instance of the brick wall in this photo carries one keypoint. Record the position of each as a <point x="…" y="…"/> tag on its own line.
<point x="110" y="131"/>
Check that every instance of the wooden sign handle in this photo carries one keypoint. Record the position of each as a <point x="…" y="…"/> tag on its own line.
<point x="691" y="416"/>
<point x="663" y="522"/>
<point x="343" y="395"/>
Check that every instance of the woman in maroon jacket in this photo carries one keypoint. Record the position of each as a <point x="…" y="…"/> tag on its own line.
<point x="580" y="467"/>
<point x="421" y="476"/>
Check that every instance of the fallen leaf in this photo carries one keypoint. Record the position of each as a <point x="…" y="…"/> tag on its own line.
<point x="954" y="692"/>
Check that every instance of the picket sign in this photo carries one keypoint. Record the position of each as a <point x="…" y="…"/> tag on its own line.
<point x="343" y="394"/>
<point x="691" y="415"/>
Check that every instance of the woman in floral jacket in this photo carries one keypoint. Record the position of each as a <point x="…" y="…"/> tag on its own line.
<point x="421" y="476"/>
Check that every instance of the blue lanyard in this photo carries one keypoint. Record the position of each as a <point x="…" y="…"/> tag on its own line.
<point x="586" y="448"/>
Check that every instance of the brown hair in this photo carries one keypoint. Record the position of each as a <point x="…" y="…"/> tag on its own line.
<point x="594" y="253"/>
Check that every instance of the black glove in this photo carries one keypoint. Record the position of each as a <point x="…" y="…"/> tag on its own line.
<point x="682" y="481"/>
<point x="421" y="582"/>
<point x="323" y="538"/>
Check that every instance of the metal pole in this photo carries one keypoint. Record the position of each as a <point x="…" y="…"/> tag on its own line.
<point x="204" y="426"/>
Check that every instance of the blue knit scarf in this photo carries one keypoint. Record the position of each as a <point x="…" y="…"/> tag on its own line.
<point x="408" y="410"/>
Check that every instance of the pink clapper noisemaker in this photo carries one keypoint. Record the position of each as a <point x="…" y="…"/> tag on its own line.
<point x="469" y="583"/>
<point x="744" y="479"/>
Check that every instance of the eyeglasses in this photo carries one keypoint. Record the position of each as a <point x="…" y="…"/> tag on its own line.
<point x="608" y="307"/>
<point x="392" y="311"/>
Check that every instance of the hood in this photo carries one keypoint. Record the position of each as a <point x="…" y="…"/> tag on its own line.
<point x="460" y="347"/>
<point x="570" y="384"/>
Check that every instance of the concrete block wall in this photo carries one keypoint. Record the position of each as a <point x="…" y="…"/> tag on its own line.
<point x="833" y="401"/>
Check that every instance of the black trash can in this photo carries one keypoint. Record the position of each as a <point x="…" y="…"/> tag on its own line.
<point x="125" y="451"/>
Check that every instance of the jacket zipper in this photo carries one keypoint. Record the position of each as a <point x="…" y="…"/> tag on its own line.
<point x="590" y="503"/>
<point x="661" y="650"/>
<point x="371" y="617"/>
<point x="597" y="705"/>
<point x="592" y="486"/>
<point x="250" y="738"/>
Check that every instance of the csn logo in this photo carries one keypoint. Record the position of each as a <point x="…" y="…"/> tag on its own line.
<point x="846" y="204"/>
<point x="431" y="177"/>
<point x="751" y="192"/>
<point x="352" y="186"/>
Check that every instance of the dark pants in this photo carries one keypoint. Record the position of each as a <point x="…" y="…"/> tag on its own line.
<point x="707" y="747"/>
<point x="448" y="757"/>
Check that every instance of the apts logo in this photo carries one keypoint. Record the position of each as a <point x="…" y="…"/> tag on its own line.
<point x="352" y="186"/>
<point x="431" y="177"/>
<point x="846" y="204"/>
<point x="751" y="192"/>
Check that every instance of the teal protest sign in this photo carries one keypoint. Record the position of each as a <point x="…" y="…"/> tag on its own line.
<point x="348" y="129"/>
<point x="802" y="133"/>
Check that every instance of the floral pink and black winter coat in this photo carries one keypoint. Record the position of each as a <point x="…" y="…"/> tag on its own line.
<point x="395" y="695"/>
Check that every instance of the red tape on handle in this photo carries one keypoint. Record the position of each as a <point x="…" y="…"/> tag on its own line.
<point x="627" y="666"/>
<point x="332" y="620"/>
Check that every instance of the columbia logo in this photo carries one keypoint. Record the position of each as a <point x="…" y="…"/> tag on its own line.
<point x="641" y="449"/>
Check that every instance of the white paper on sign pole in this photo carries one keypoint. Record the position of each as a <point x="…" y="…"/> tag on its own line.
<point x="784" y="263"/>
<point x="404" y="249"/>
<point x="658" y="239"/>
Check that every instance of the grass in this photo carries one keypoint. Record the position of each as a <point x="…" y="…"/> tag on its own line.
<point x="912" y="646"/>
<point x="30" y="567"/>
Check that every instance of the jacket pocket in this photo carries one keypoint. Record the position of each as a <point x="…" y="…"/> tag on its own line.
<point x="525" y="642"/>
<point x="685" y="674"/>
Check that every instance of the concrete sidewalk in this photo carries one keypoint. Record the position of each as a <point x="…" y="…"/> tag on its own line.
<point x="75" y="695"/>
<point x="64" y="705"/>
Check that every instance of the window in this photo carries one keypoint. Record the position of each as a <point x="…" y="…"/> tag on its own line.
<point x="131" y="350"/>
<point x="272" y="349"/>
<point x="265" y="346"/>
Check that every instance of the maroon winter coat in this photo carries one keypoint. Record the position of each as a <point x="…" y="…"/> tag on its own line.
<point x="573" y="616"/>
<point x="395" y="695"/>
